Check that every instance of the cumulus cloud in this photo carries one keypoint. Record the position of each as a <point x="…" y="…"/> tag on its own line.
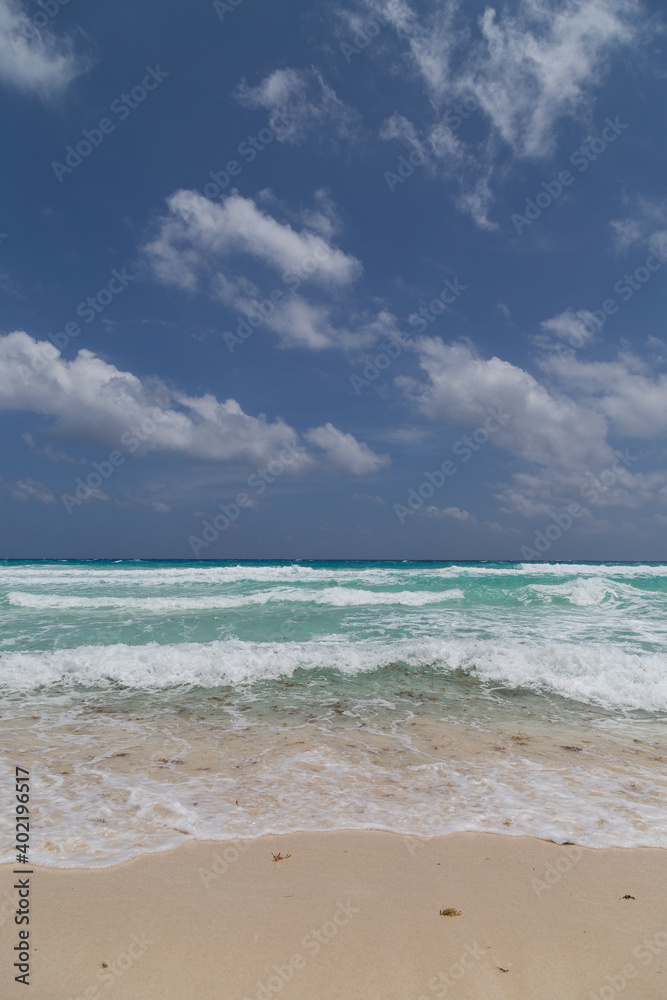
<point x="94" y="402"/>
<point x="561" y="431"/>
<point x="300" y="323"/>
<point x="197" y="235"/>
<point x="32" y="58"/>
<point x="344" y="453"/>
<point x="627" y="391"/>
<point x="300" y="102"/>
<point x="543" y="427"/>
<point x="303" y="324"/>
<point x="195" y="241"/>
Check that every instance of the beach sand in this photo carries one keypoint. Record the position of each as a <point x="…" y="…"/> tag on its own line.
<point x="350" y="915"/>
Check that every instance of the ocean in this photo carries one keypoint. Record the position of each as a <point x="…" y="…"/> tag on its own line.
<point x="159" y="701"/>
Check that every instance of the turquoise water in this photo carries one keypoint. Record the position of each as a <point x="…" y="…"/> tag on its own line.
<point x="152" y="697"/>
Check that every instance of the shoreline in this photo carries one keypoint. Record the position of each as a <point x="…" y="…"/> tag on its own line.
<point x="351" y="914"/>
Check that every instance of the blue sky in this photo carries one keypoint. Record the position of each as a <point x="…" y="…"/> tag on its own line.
<point x="384" y="279"/>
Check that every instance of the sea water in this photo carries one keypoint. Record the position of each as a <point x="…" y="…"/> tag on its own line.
<point x="159" y="701"/>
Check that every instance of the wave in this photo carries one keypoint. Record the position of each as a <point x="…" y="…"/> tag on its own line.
<point x="335" y="596"/>
<point x="137" y="575"/>
<point x="590" y="592"/>
<point x="593" y="673"/>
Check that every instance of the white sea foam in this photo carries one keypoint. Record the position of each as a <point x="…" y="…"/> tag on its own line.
<point x="592" y="591"/>
<point x="335" y="596"/>
<point x="138" y="575"/>
<point x="98" y="817"/>
<point x="594" y="673"/>
<point x="594" y="634"/>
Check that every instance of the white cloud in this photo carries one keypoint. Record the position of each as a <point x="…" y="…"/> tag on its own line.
<point x="628" y="392"/>
<point x="32" y="58"/>
<point x="344" y="453"/>
<point x="540" y="65"/>
<point x="195" y="241"/>
<point x="626" y="232"/>
<point x="300" y="102"/>
<point x="94" y="402"/>
<point x="401" y="128"/>
<point x="30" y="489"/>
<point x="503" y="309"/>
<point x="197" y="235"/>
<point x="302" y="324"/>
<point x="549" y="429"/>
<point x="438" y="145"/>
<point x="639" y="227"/>
<point x="432" y="40"/>
<point x="453" y="512"/>
<point x="476" y="200"/>
<point x="560" y="431"/>
<point x="526" y="68"/>
<point x="522" y="70"/>
<point x="576" y="328"/>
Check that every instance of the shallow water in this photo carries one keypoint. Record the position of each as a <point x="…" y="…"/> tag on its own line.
<point x="158" y="701"/>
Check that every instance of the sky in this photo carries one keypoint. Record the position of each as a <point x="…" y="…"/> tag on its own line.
<point x="379" y="279"/>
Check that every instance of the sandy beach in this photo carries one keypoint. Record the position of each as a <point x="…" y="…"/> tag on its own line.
<point x="353" y="915"/>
